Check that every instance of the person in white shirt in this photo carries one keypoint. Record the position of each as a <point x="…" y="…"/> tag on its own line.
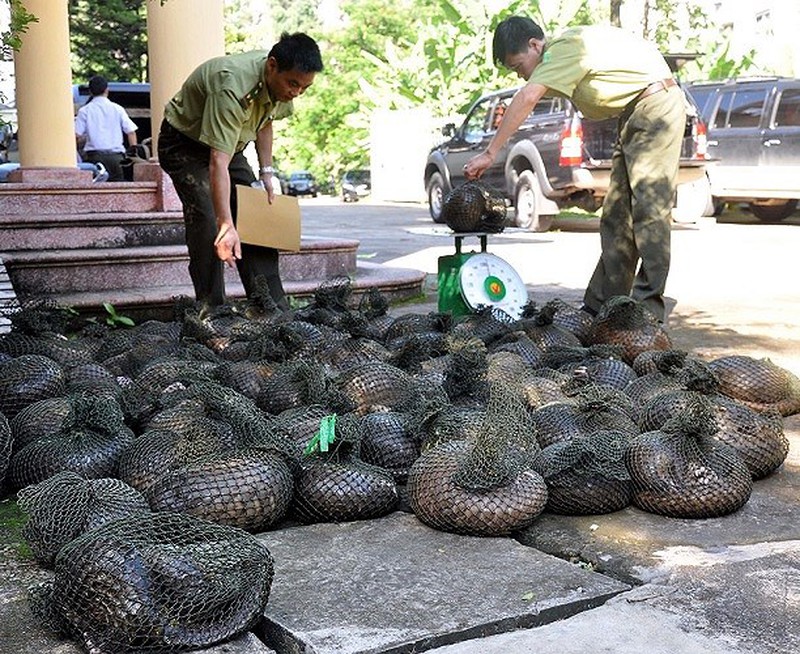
<point x="99" y="128"/>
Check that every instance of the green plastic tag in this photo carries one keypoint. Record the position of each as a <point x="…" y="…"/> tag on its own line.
<point x="324" y="437"/>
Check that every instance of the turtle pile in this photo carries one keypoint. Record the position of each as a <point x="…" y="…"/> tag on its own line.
<point x="147" y="458"/>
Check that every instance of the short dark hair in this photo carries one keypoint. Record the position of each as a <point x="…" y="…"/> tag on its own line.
<point x="298" y="51"/>
<point x="511" y="37"/>
<point x="97" y="85"/>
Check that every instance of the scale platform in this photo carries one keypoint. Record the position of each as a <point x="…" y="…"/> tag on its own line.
<point x="472" y="280"/>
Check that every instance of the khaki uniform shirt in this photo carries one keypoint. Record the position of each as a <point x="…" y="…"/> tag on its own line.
<point x="600" y="68"/>
<point x="225" y="101"/>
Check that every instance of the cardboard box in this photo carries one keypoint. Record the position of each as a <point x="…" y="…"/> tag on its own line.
<point x="275" y="225"/>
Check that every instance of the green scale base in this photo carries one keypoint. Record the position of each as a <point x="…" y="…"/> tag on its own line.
<point x="449" y="287"/>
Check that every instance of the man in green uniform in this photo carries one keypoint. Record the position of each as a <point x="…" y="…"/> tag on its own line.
<point x="606" y="72"/>
<point x="226" y="103"/>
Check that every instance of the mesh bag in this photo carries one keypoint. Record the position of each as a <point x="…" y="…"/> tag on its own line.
<point x="669" y="362"/>
<point x="608" y="371"/>
<point x="540" y="327"/>
<point x="28" y="379"/>
<point x="757" y="437"/>
<point x="759" y="383"/>
<point x="522" y="345"/>
<point x="487" y="324"/>
<point x="247" y="377"/>
<point x="450" y="423"/>
<point x="411" y="323"/>
<point x="556" y="422"/>
<point x="465" y="378"/>
<point x="158" y="451"/>
<point x="293" y="384"/>
<point x="624" y="321"/>
<point x="161" y="582"/>
<point x="411" y="351"/>
<point x="90" y="442"/>
<point x="300" y="424"/>
<point x="37" y="316"/>
<point x="336" y="485"/>
<point x="463" y="208"/>
<point x="376" y="386"/>
<point x="6" y="441"/>
<point x="586" y="475"/>
<point x="66" y="505"/>
<point x="54" y="346"/>
<point x="681" y="471"/>
<point x="388" y="441"/>
<point x="39" y="420"/>
<point x="249" y="488"/>
<point x="572" y="319"/>
<point x="92" y="377"/>
<point x="484" y="487"/>
<point x="353" y="352"/>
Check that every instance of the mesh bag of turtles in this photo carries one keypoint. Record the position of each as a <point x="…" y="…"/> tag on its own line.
<point x="146" y="459"/>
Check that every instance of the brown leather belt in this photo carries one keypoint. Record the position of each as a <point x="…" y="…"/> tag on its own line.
<point x="650" y="89"/>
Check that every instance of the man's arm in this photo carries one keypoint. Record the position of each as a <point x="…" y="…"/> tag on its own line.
<point x="264" y="151"/>
<point x="227" y="244"/>
<point x="132" y="138"/>
<point x="521" y="106"/>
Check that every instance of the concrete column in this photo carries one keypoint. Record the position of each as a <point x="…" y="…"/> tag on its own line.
<point x="181" y="34"/>
<point x="44" y="96"/>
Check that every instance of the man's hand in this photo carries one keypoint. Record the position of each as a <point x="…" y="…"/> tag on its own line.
<point x="476" y="166"/>
<point x="227" y="244"/>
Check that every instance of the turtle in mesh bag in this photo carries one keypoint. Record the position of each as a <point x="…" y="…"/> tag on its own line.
<point x="624" y="321"/>
<point x="249" y="488"/>
<point x="757" y="437"/>
<point x="158" y="582"/>
<point x="682" y="471"/>
<point x="474" y="207"/>
<point x="590" y="409"/>
<point x="758" y="383"/>
<point x="90" y="442"/>
<point x="27" y="379"/>
<point x="485" y="486"/>
<point x="539" y="326"/>
<point x="333" y="484"/>
<point x="586" y="475"/>
<point x="66" y="505"/>
<point x="6" y="442"/>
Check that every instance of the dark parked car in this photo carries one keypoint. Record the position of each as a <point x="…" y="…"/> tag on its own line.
<point x="754" y="131"/>
<point x="301" y="183"/>
<point x="355" y="184"/>
<point x="556" y="158"/>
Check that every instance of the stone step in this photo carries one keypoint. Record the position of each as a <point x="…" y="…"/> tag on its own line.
<point x="20" y="199"/>
<point x="58" y="231"/>
<point x="157" y="302"/>
<point x="100" y="270"/>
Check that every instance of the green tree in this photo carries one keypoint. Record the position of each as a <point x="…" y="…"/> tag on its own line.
<point x="109" y="38"/>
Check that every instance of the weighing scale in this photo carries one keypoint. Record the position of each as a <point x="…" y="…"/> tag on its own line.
<point x="470" y="280"/>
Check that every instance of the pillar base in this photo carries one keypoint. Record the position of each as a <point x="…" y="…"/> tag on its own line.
<point x="151" y="171"/>
<point x="45" y="176"/>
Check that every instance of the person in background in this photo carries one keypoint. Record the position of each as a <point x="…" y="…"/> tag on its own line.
<point x="99" y="128"/>
<point x="605" y="72"/>
<point x="226" y="103"/>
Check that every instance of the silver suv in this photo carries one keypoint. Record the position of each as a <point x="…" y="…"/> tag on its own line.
<point x="754" y="132"/>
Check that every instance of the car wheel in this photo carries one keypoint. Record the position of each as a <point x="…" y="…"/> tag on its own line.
<point x="436" y="197"/>
<point x="526" y="195"/>
<point x="772" y="213"/>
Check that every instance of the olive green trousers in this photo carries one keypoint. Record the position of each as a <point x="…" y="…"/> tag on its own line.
<point x="637" y="211"/>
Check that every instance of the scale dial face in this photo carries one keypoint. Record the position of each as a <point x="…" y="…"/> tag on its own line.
<point x="488" y="280"/>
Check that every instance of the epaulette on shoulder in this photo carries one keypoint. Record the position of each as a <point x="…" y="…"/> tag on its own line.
<point x="247" y="99"/>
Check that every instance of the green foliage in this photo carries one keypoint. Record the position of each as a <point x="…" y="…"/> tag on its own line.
<point x="108" y="38"/>
<point x="295" y="16"/>
<point x="114" y="319"/>
<point x="19" y="21"/>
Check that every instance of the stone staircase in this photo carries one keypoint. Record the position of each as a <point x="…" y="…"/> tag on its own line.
<point x="123" y="243"/>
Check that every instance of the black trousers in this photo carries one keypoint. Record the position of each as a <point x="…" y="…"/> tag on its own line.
<point x="186" y="161"/>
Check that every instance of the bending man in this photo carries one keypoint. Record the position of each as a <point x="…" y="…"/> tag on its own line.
<point x="226" y="103"/>
<point x="606" y="72"/>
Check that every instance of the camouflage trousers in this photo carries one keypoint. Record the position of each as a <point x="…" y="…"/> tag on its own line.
<point x="637" y="211"/>
<point x="186" y="161"/>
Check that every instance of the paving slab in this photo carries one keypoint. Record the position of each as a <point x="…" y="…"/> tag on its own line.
<point x="393" y="586"/>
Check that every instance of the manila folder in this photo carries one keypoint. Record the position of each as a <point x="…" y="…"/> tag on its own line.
<point x="275" y="225"/>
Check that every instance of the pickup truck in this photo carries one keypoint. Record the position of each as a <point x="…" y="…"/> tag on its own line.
<point x="556" y="159"/>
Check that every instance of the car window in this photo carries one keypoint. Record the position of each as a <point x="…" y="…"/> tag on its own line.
<point x="704" y="98"/>
<point x="743" y="108"/>
<point x="787" y="113"/>
<point x="477" y="122"/>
